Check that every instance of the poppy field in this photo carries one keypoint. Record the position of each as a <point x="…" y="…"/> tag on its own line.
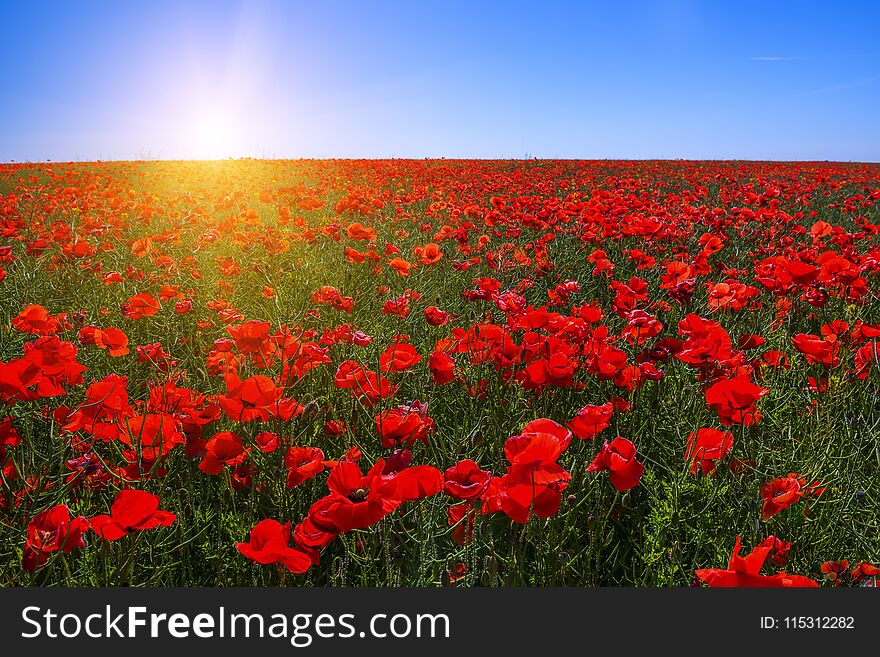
<point x="439" y="373"/>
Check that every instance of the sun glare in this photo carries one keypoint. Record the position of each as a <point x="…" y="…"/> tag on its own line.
<point x="211" y="135"/>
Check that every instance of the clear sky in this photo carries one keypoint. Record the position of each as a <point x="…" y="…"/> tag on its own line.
<point x="747" y="79"/>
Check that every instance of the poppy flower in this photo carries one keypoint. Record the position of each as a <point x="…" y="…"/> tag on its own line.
<point x="441" y="366"/>
<point x="132" y="510"/>
<point x="705" y="447"/>
<point x="734" y="400"/>
<point x="619" y="457"/>
<point x="429" y="254"/>
<point x="256" y="398"/>
<point x="105" y="407"/>
<point x="302" y="464"/>
<point x="862" y="570"/>
<point x="358" y="500"/>
<point x="334" y="427"/>
<point x="398" y="358"/>
<point x="465" y="480"/>
<point x="745" y="571"/>
<point x="16" y="378"/>
<point x="778" y="550"/>
<point x="354" y="256"/>
<point x="222" y="450"/>
<point x="151" y="436"/>
<point x="269" y="543"/>
<point x="591" y="420"/>
<point x="364" y="384"/>
<point x="9" y="436"/>
<point x="267" y="441"/>
<point x="357" y="231"/>
<point x="833" y="570"/>
<point x="534" y="481"/>
<point x="251" y="337"/>
<point x="399" y="307"/>
<point x="46" y="366"/>
<point x="111" y="339"/>
<point x="867" y="358"/>
<point x="404" y="425"/>
<point x="332" y="297"/>
<point x="36" y="320"/>
<point x="401" y="266"/>
<point x="558" y="371"/>
<point x="781" y="493"/>
<point x="140" y="306"/>
<point x="817" y="350"/>
<point x="50" y="531"/>
<point x="436" y="317"/>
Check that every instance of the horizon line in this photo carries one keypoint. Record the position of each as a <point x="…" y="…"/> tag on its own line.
<point x="430" y="159"/>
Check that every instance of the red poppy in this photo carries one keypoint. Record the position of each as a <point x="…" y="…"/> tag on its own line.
<point x="111" y="339"/>
<point x="398" y="306"/>
<point x="780" y="493"/>
<point x="745" y="571"/>
<point x="140" y="306"/>
<point x="818" y="350"/>
<point x="534" y="481"/>
<point x="9" y="436"/>
<point x="269" y="543"/>
<point x="151" y="436"/>
<point x="330" y="296"/>
<point x="404" y="425"/>
<point x="105" y="407"/>
<point x="558" y="370"/>
<point x="398" y="358"/>
<point x="251" y="337"/>
<point x="734" y="400"/>
<point x="867" y="358"/>
<point x="46" y="366"/>
<point x="778" y="550"/>
<point x="834" y="569"/>
<point x="359" y="500"/>
<point x="436" y="317"/>
<point x="429" y="254"/>
<point x="256" y="398"/>
<point x="591" y="420"/>
<point x="16" y="378"/>
<point x="619" y="457"/>
<point x="267" y="441"/>
<point x="364" y="384"/>
<point x="222" y="450"/>
<point x="705" y="447"/>
<point x="132" y="510"/>
<point x="50" y="531"/>
<point x="862" y="571"/>
<point x="401" y="266"/>
<point x="36" y="320"/>
<point x="442" y="367"/>
<point x="302" y="464"/>
<point x="465" y="480"/>
<point x="334" y="427"/>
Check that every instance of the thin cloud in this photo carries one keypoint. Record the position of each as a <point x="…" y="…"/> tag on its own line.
<point x="844" y="86"/>
<point x="771" y="59"/>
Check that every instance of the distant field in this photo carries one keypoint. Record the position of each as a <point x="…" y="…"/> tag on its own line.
<point x="424" y="373"/>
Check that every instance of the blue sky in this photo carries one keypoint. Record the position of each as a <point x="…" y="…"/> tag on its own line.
<point x="650" y="79"/>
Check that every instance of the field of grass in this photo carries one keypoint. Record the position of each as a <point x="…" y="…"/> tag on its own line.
<point x="427" y="373"/>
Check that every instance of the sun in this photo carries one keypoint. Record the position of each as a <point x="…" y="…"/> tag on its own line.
<point x="212" y="135"/>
